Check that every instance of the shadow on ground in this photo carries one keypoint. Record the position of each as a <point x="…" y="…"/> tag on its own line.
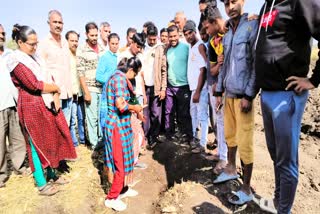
<point x="181" y="165"/>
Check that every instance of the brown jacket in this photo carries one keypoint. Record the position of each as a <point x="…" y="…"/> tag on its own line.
<point x="160" y="70"/>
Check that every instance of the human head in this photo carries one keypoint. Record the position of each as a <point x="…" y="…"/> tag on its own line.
<point x="92" y="33"/>
<point x="73" y="40"/>
<point x="55" y="22"/>
<point x="113" y="40"/>
<point x="130" y="32"/>
<point x="152" y="35"/>
<point x="203" y="35"/>
<point x="173" y="33"/>
<point x="203" y="5"/>
<point x="131" y="67"/>
<point x="164" y="36"/>
<point x="26" y="38"/>
<point x="189" y="31"/>
<point x="105" y="30"/>
<point x="171" y="23"/>
<point x="234" y="8"/>
<point x="138" y="42"/>
<point x="2" y="36"/>
<point x="146" y="25"/>
<point x="180" y="20"/>
<point x="213" y="22"/>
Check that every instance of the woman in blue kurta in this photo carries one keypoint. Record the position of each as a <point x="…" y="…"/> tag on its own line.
<point x="118" y="133"/>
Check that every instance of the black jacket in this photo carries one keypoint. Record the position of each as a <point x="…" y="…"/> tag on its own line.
<point x="283" y="45"/>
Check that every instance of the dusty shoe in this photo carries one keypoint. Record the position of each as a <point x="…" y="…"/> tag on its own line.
<point x="115" y="204"/>
<point x="48" y="190"/>
<point x="61" y="181"/>
<point x="140" y="166"/>
<point x="193" y="143"/>
<point x="198" y="150"/>
<point x="129" y="193"/>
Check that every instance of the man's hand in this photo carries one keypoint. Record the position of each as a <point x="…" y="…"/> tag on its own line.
<point x="214" y="86"/>
<point x="300" y="83"/>
<point x="145" y="100"/>
<point x="87" y="98"/>
<point x="56" y="101"/>
<point x="141" y="117"/>
<point x="245" y="105"/>
<point x="220" y="59"/>
<point x="196" y="97"/>
<point x="137" y="108"/>
<point x="162" y="95"/>
<point x="218" y="103"/>
<point x="252" y="17"/>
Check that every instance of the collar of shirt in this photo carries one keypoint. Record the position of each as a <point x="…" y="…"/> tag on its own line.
<point x="5" y="53"/>
<point x="87" y="48"/>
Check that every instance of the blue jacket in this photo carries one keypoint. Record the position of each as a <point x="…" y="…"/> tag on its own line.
<point x="237" y="75"/>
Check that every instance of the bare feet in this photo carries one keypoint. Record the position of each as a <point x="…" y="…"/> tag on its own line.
<point x="220" y="167"/>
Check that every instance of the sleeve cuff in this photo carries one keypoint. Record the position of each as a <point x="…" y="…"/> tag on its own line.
<point x="314" y="81"/>
<point x="217" y="94"/>
<point x="249" y="98"/>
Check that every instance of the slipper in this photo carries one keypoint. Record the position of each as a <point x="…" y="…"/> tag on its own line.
<point x="267" y="205"/>
<point x="223" y="177"/>
<point x="61" y="181"/>
<point x="48" y="190"/>
<point x="242" y="198"/>
<point x="218" y="169"/>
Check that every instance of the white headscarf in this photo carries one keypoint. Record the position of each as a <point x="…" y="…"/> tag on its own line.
<point x="36" y="65"/>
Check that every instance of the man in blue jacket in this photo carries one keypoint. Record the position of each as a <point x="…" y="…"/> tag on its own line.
<point x="283" y="52"/>
<point x="236" y="81"/>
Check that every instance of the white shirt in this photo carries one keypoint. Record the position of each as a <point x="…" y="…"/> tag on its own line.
<point x="148" y="62"/>
<point x="57" y="59"/>
<point x="195" y="63"/>
<point x="8" y="92"/>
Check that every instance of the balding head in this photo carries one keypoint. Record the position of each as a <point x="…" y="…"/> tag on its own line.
<point x="180" y="20"/>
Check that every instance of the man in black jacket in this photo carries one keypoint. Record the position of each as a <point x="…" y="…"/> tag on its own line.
<point x="283" y="51"/>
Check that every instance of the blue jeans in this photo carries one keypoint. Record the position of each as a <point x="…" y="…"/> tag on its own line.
<point x="66" y="108"/>
<point x="93" y="119"/>
<point x="77" y="118"/>
<point x="282" y="114"/>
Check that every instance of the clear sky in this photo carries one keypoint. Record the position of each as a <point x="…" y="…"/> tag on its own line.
<point x="121" y="14"/>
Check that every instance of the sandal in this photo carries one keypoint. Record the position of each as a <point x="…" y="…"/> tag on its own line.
<point x="61" y="181"/>
<point x="223" y="177"/>
<point x="241" y="196"/>
<point x="220" y="167"/>
<point x="48" y="190"/>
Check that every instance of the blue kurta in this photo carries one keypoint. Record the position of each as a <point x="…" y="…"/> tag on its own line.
<point x="118" y="87"/>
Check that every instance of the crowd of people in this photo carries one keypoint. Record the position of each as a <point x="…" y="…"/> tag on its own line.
<point x="162" y="86"/>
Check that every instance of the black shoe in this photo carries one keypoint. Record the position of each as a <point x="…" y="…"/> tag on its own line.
<point x="151" y="144"/>
<point x="165" y="138"/>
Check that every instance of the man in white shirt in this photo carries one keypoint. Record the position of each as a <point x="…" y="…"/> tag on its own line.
<point x="54" y="49"/>
<point x="9" y="120"/>
<point x="199" y="105"/>
<point x="154" y="73"/>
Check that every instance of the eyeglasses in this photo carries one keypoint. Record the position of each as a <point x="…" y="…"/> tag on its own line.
<point x="32" y="44"/>
<point x="3" y="33"/>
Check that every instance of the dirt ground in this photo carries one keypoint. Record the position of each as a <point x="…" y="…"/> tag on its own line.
<point x="175" y="181"/>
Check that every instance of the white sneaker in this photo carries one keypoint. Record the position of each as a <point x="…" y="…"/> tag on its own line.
<point x="115" y="204"/>
<point x="129" y="193"/>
